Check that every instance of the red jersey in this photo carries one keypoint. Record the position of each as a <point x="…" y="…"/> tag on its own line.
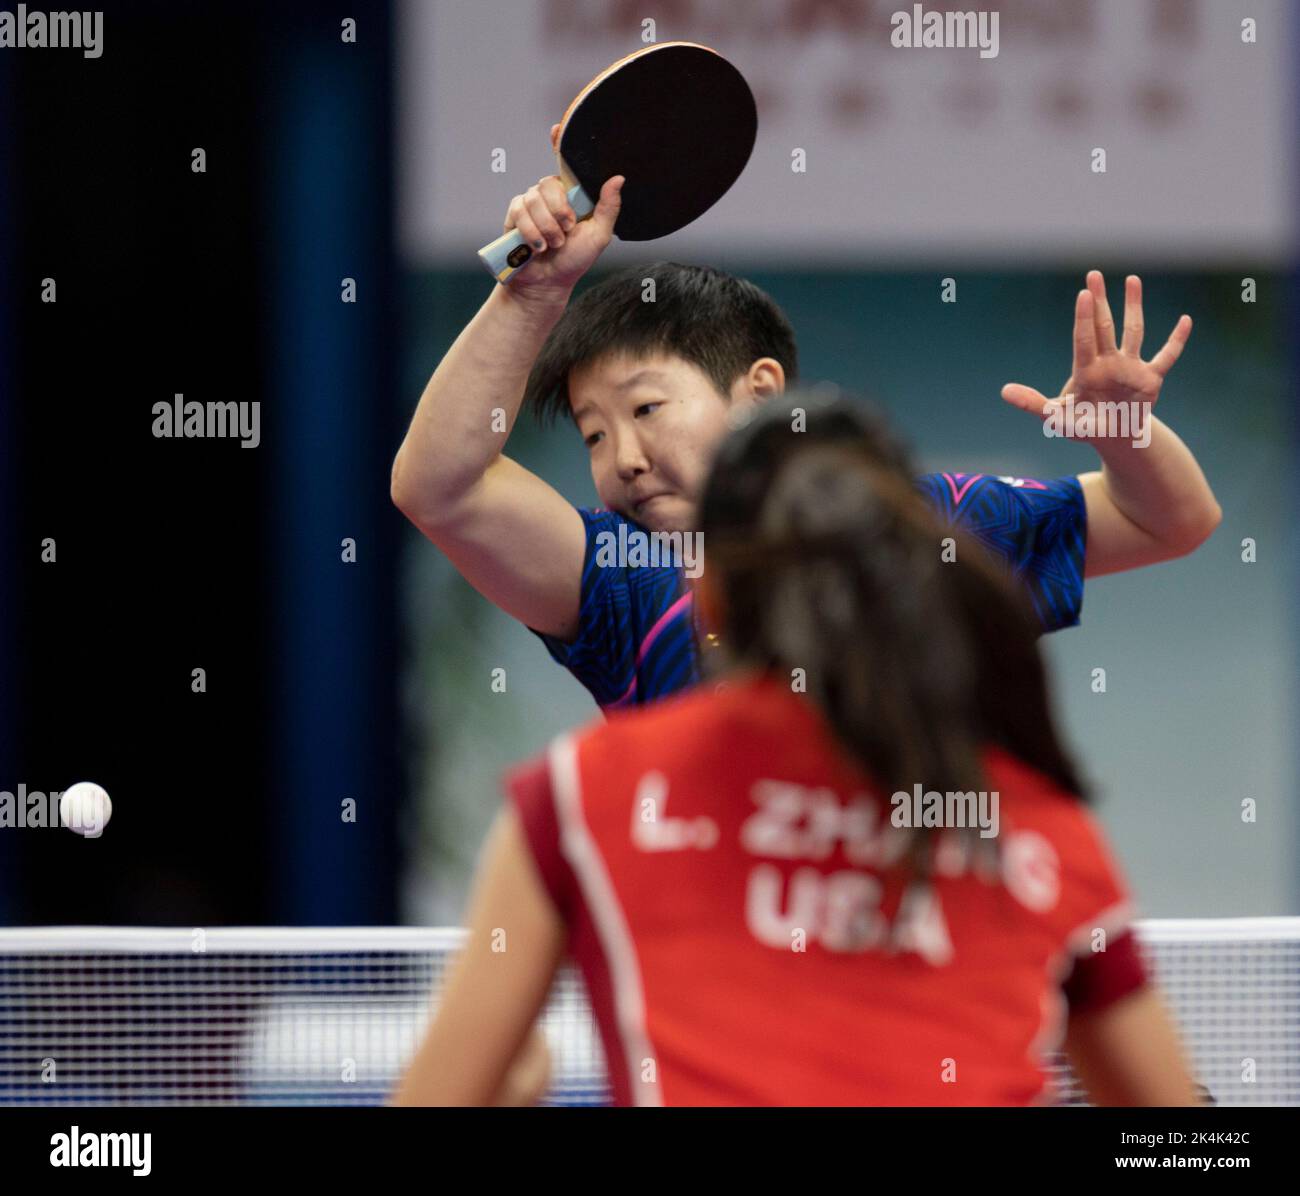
<point x="726" y="875"/>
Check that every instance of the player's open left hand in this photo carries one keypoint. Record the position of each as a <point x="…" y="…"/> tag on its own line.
<point x="1105" y="372"/>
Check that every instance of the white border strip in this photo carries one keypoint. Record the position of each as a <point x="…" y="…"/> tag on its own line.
<point x="584" y="855"/>
<point x="257" y="940"/>
<point x="1216" y="930"/>
<point x="310" y="940"/>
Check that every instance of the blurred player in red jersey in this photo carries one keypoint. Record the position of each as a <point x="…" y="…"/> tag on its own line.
<point x="856" y="869"/>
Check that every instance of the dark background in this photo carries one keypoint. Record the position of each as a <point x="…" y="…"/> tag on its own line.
<point x="181" y="554"/>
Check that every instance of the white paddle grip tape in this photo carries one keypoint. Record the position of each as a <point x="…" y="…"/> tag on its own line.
<point x="510" y="253"/>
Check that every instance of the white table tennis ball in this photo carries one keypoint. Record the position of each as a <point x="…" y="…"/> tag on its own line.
<point x="86" y="809"/>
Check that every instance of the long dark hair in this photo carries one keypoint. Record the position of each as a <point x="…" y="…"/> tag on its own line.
<point x="828" y="560"/>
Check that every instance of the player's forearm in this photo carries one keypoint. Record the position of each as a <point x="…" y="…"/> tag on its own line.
<point x="471" y="402"/>
<point x="1160" y="487"/>
<point x="1129" y="1054"/>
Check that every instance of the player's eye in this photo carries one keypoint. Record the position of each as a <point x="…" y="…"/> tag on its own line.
<point x="646" y="407"/>
<point x="591" y="440"/>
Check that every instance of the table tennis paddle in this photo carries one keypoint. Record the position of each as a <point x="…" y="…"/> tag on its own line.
<point x="676" y="120"/>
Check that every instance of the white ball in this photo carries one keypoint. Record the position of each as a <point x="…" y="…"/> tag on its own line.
<point x="86" y="809"/>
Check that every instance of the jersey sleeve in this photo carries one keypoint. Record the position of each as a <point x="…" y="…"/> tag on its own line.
<point x="528" y="788"/>
<point x="1039" y="529"/>
<point x="1097" y="920"/>
<point x="600" y="656"/>
<point x="1101" y="978"/>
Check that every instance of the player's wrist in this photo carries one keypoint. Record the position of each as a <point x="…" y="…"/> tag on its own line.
<point x="538" y="300"/>
<point x="1130" y="450"/>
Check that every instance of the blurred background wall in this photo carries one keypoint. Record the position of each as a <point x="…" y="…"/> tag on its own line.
<point x="923" y="165"/>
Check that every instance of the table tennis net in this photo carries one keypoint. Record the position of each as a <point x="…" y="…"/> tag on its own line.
<point x="114" y="1016"/>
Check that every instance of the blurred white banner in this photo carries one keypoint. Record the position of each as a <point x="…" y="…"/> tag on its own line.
<point x="923" y="154"/>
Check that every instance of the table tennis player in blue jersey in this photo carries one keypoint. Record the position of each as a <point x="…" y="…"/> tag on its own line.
<point x="652" y="365"/>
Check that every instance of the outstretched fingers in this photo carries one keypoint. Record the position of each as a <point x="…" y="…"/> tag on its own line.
<point x="1085" y="331"/>
<point x="1025" y="397"/>
<point x="1163" y="361"/>
<point x="1104" y="320"/>
<point x="1133" y="324"/>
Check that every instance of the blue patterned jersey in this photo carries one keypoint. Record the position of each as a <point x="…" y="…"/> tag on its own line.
<point x="636" y="634"/>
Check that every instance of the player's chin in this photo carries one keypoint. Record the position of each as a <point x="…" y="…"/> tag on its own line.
<point x="666" y="513"/>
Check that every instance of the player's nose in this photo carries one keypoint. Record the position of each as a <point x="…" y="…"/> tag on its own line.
<point x="630" y="457"/>
<point x="630" y="468"/>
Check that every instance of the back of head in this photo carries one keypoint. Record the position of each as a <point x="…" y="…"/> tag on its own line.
<point x="827" y="560"/>
<point x="719" y="323"/>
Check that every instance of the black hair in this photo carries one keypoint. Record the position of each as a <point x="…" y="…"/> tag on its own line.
<point x="718" y="323"/>
<point x="828" y="560"/>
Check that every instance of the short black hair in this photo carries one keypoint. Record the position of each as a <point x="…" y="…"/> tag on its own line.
<point x="719" y="323"/>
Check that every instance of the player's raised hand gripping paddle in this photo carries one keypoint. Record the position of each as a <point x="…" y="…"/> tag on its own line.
<point x="566" y="247"/>
<point x="675" y="121"/>
<point x="1106" y="371"/>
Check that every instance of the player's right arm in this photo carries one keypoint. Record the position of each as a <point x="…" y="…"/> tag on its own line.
<point x="513" y="537"/>
<point x="1128" y="1053"/>
<point x="1120" y="1040"/>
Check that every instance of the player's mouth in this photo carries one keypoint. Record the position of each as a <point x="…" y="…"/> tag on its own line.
<point x="640" y="504"/>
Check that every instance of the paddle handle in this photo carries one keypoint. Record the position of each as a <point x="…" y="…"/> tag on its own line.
<point x="510" y="253"/>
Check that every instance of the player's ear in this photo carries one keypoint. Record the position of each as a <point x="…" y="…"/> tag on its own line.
<point x="764" y="379"/>
<point x="555" y="138"/>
